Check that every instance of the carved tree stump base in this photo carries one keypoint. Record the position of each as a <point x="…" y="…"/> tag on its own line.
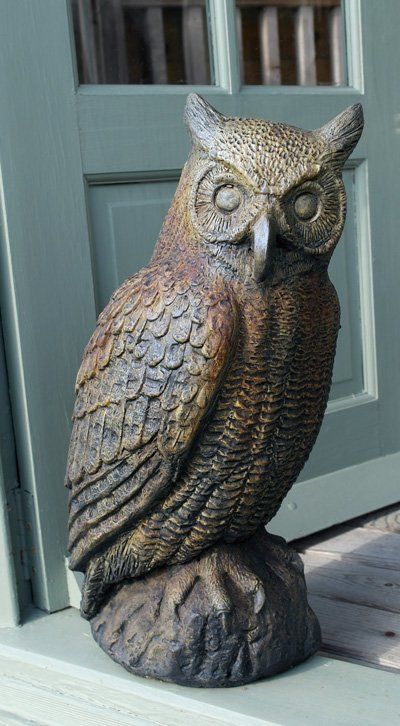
<point x="236" y="613"/>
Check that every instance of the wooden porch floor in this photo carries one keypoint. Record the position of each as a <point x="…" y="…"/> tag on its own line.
<point x="353" y="579"/>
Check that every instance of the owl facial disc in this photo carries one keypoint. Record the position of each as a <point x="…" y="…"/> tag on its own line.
<point x="272" y="183"/>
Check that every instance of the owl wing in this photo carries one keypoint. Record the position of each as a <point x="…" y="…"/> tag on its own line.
<point x="149" y="375"/>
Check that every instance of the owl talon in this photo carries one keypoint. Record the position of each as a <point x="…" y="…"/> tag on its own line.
<point x="177" y="591"/>
<point x="259" y="599"/>
<point x="251" y="585"/>
<point x="212" y="571"/>
<point x="218" y="596"/>
<point x="94" y="587"/>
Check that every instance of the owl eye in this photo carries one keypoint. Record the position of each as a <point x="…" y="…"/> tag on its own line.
<point x="221" y="205"/>
<point x="306" y="206"/>
<point x="228" y="198"/>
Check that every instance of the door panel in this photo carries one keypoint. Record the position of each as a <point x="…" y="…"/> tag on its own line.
<point x="344" y="273"/>
<point x="108" y="157"/>
<point x="126" y="220"/>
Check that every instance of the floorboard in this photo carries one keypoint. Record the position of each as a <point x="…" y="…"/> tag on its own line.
<point x="353" y="580"/>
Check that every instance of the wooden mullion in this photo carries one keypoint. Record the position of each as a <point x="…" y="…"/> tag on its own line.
<point x="222" y="14"/>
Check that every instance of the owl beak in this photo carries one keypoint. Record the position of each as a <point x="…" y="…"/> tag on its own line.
<point x="264" y="236"/>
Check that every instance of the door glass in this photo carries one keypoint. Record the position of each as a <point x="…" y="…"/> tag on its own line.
<point x="141" y="41"/>
<point x="290" y="42"/>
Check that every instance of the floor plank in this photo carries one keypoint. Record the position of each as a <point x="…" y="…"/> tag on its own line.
<point x="359" y="633"/>
<point x="353" y="579"/>
<point x="380" y="549"/>
<point x="351" y="582"/>
<point x="388" y="521"/>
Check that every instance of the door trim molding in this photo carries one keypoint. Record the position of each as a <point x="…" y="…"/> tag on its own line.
<point x="52" y="671"/>
<point x="316" y="504"/>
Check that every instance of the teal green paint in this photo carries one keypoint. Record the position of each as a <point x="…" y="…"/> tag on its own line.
<point x="57" y="654"/>
<point x="318" y="503"/>
<point x="14" y="585"/>
<point x="344" y="273"/>
<point x="9" y="605"/>
<point x="224" y="45"/>
<point x="46" y="286"/>
<point x="119" y="125"/>
<point x="9" y="600"/>
<point x="354" y="21"/>
<point x="126" y="220"/>
<point x="382" y="93"/>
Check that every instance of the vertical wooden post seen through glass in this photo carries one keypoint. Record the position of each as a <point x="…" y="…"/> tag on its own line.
<point x="290" y="42"/>
<point x="140" y="42"/>
<point x="280" y="42"/>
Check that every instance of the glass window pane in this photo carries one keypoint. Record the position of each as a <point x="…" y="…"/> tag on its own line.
<point x="290" y="42"/>
<point x="141" y="41"/>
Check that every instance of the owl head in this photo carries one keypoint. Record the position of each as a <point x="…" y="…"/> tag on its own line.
<point x="267" y="198"/>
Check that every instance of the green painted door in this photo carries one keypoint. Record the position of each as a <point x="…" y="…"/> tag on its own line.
<point x="88" y="171"/>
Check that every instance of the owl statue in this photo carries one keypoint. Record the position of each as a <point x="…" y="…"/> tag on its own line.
<point x="202" y="391"/>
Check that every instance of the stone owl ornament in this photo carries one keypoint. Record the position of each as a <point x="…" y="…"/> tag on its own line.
<point x="198" y="401"/>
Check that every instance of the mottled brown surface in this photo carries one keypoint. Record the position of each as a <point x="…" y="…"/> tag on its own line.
<point x="203" y="387"/>
<point x="218" y="620"/>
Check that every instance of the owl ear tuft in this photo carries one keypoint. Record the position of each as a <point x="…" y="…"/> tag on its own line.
<point x="202" y="120"/>
<point x="342" y="134"/>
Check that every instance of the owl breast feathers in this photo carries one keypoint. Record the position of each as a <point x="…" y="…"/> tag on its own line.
<point x="204" y="385"/>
